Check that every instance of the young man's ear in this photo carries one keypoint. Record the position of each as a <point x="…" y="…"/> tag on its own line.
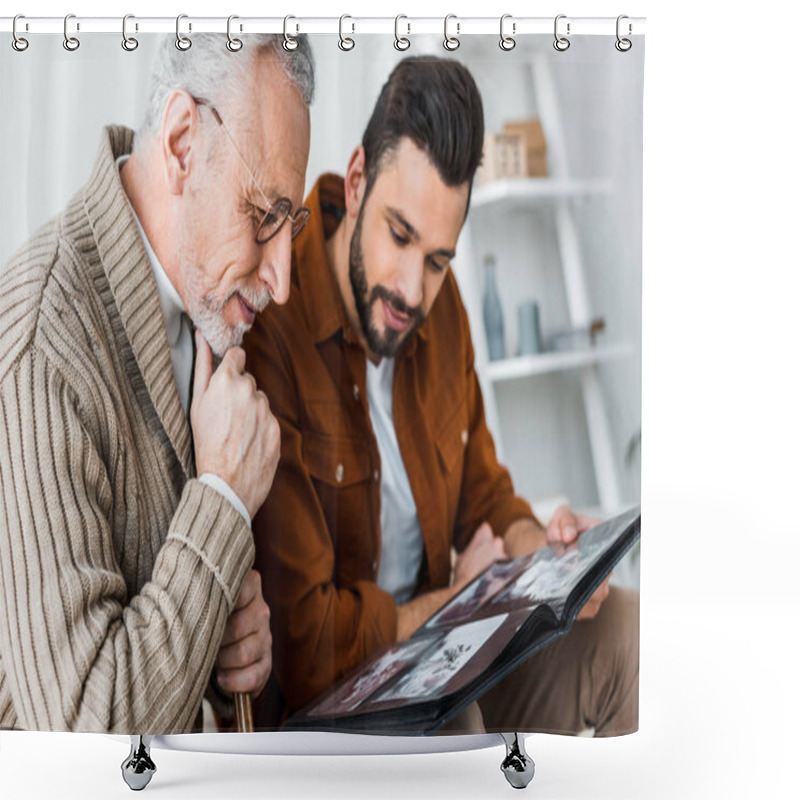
<point x="178" y="136"/>
<point x="355" y="182"/>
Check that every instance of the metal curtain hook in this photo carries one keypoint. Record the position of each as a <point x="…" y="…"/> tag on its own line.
<point x="623" y="45"/>
<point x="345" y="42"/>
<point x="234" y="45"/>
<point x="289" y="42"/>
<point x="18" y="42"/>
<point x="181" y="42"/>
<point x="128" y="42"/>
<point x="451" y="42"/>
<point x="401" y="42"/>
<point x="561" y="43"/>
<point x="70" y="42"/>
<point x="507" y="42"/>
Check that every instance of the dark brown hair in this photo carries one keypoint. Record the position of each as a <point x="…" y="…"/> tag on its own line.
<point x="435" y="103"/>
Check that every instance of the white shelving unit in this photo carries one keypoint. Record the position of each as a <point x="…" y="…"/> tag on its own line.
<point x="556" y="198"/>
<point x="522" y="192"/>
<point x="510" y="369"/>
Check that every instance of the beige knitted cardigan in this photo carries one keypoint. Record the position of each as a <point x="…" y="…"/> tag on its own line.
<point x="118" y="569"/>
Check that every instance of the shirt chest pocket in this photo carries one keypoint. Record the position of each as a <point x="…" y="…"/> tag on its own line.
<point x="336" y="460"/>
<point x="452" y="439"/>
<point x="342" y="473"/>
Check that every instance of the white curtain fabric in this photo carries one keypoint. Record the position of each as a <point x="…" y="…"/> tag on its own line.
<point x="54" y="104"/>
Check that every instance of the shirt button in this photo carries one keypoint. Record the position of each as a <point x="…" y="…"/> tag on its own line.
<point x="356" y="391"/>
<point x="339" y="473"/>
<point x="376" y="475"/>
<point x="464" y="437"/>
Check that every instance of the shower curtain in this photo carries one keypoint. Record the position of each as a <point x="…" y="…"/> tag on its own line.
<point x="320" y="379"/>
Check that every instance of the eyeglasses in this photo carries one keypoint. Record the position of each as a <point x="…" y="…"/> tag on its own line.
<point x="276" y="213"/>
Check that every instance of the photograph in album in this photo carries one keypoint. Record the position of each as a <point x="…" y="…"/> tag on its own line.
<point x="320" y="383"/>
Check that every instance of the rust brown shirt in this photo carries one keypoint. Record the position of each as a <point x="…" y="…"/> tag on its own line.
<point x="318" y="538"/>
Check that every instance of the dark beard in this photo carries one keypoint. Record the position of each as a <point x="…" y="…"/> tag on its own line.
<point x="388" y="344"/>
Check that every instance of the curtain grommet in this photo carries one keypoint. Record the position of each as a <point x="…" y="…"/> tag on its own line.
<point x="233" y="44"/>
<point x="19" y="43"/>
<point x="71" y="43"/>
<point x="346" y="43"/>
<point x="507" y="43"/>
<point x="182" y="42"/>
<point x="401" y="43"/>
<point x="129" y="43"/>
<point x="561" y="43"/>
<point x="451" y="43"/>
<point x="289" y="42"/>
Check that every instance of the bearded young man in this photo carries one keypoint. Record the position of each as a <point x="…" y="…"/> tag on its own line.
<point x="126" y="588"/>
<point x="386" y="459"/>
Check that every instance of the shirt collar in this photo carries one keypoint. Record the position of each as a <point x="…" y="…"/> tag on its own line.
<point x="171" y="303"/>
<point x="319" y="291"/>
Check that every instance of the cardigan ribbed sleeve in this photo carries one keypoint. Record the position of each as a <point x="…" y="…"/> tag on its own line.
<point x="79" y="653"/>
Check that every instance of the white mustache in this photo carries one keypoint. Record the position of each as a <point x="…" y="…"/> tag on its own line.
<point x="257" y="300"/>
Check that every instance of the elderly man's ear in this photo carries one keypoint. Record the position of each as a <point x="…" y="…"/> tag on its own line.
<point x="355" y="182"/>
<point x="179" y="140"/>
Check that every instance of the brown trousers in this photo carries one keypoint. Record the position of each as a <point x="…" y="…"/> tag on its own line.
<point x="586" y="679"/>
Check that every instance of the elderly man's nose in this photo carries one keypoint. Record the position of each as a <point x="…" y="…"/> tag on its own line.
<point x="276" y="263"/>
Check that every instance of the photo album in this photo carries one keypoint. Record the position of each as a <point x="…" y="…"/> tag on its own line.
<point x="509" y="612"/>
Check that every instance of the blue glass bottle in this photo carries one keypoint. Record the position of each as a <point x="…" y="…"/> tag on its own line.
<point x="493" y="312"/>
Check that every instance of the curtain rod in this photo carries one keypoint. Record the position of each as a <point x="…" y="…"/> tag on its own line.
<point x="461" y="26"/>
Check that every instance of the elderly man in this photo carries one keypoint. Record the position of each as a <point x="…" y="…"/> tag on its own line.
<point x="126" y="548"/>
<point x="386" y="458"/>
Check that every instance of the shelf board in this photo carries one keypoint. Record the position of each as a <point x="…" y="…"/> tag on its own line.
<point x="531" y="190"/>
<point x="524" y="366"/>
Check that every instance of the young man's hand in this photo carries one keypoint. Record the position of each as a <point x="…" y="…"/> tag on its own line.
<point x="483" y="550"/>
<point x="565" y="527"/>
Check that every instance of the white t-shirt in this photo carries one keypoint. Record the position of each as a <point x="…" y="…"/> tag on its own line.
<point x="402" y="545"/>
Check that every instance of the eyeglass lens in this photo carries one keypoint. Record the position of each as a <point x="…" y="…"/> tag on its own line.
<point x="276" y="216"/>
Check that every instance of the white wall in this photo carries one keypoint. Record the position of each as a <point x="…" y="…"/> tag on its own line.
<point x="54" y="104"/>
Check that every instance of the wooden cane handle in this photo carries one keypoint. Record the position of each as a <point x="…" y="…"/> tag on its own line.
<point x="244" y="712"/>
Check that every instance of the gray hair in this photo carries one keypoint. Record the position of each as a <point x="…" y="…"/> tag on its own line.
<point x="209" y="70"/>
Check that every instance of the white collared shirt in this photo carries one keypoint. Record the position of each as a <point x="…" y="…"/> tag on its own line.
<point x="181" y="348"/>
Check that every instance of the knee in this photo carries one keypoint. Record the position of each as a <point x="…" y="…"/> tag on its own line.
<point x="618" y="627"/>
<point x="612" y="636"/>
<point x="620" y="611"/>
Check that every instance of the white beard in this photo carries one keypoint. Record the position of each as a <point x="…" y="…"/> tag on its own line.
<point x="205" y="310"/>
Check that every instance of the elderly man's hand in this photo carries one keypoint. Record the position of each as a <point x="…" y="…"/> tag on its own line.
<point x="564" y="528"/>
<point x="244" y="661"/>
<point x="236" y="436"/>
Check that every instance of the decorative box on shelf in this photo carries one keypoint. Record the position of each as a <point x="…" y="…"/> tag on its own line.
<point x="532" y="136"/>
<point x="520" y="151"/>
<point x="503" y="157"/>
